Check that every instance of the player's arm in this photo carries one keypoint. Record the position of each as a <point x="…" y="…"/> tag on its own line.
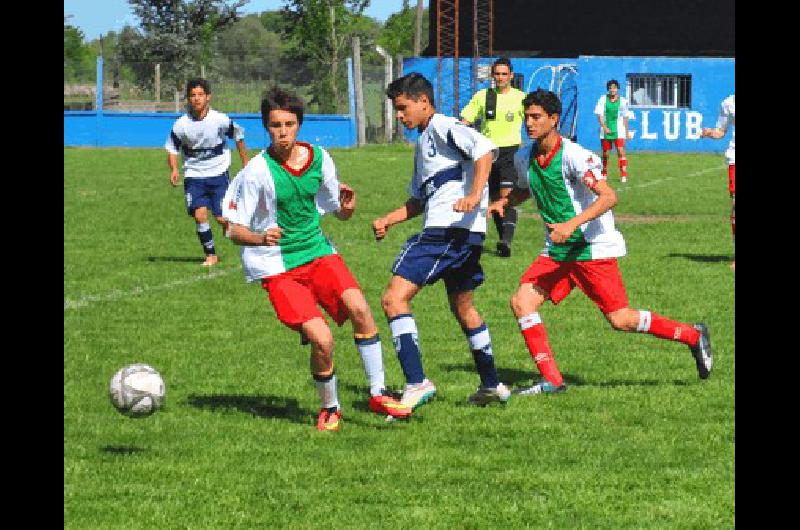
<point x="606" y="199"/>
<point x="515" y="198"/>
<point x="242" y="152"/>
<point x="713" y="132"/>
<point x="241" y="235"/>
<point x="172" y="162"/>
<point x="483" y="167"/>
<point x="411" y="209"/>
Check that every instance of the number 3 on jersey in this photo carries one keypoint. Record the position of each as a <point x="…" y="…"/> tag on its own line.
<point x="431" y="147"/>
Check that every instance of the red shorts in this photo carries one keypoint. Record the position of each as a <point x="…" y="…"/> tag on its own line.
<point x="295" y="294"/>
<point x="599" y="279"/>
<point x="732" y="179"/>
<point x="606" y="144"/>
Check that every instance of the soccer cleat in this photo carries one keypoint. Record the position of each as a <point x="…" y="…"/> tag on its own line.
<point x="542" y="387"/>
<point x="703" y="356"/>
<point x="486" y="395"/>
<point x="385" y="404"/>
<point x="211" y="260"/>
<point x="329" y="419"/>
<point x="417" y="395"/>
<point x="623" y="179"/>
<point x="503" y="249"/>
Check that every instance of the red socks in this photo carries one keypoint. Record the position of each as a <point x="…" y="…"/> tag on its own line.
<point x="665" y="328"/>
<point x="623" y="167"/>
<point x="536" y="339"/>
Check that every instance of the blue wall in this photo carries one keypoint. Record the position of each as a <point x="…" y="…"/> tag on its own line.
<point x="713" y="79"/>
<point x="118" y="129"/>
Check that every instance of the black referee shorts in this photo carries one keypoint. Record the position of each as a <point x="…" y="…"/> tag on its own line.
<point x="503" y="175"/>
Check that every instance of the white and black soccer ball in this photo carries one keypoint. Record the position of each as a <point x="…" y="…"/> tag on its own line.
<point x="137" y="390"/>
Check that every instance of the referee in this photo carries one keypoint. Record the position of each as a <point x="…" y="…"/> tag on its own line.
<point x="501" y="114"/>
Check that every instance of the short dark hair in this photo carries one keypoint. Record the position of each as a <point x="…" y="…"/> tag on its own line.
<point x="278" y="99"/>
<point x="612" y="82"/>
<point x="197" y="82"/>
<point x="505" y="61"/>
<point x="545" y="99"/>
<point x="411" y="85"/>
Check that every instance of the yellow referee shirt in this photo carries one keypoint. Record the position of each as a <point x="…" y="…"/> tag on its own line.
<point x="506" y="129"/>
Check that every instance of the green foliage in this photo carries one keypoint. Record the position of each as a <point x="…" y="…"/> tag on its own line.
<point x="322" y="30"/>
<point x="398" y="33"/>
<point x="248" y="50"/>
<point x="179" y="33"/>
<point x="638" y="441"/>
<point x="79" y="58"/>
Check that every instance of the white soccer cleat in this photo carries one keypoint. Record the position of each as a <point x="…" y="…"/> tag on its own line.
<point x="486" y="395"/>
<point x="415" y="396"/>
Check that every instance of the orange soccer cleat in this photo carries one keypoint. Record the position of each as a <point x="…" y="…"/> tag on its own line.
<point x="329" y="420"/>
<point x="384" y="404"/>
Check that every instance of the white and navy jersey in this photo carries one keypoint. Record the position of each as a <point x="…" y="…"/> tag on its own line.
<point x="444" y="164"/>
<point x="727" y="118"/>
<point x="203" y="143"/>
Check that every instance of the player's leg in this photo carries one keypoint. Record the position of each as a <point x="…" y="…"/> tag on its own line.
<point x="480" y="344"/>
<point x="198" y="202"/>
<point x="219" y="187"/>
<point x="732" y="190"/>
<point x="494" y="194"/>
<point x="508" y="177"/>
<point x="602" y="283"/>
<point x="338" y="292"/>
<point x="622" y="160"/>
<point x="605" y="148"/>
<point x="296" y="307"/>
<point x="321" y="339"/>
<point x="544" y="279"/>
<point x="396" y="306"/>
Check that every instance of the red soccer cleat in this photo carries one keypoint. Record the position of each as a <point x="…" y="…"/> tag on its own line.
<point x="329" y="421"/>
<point x="384" y="404"/>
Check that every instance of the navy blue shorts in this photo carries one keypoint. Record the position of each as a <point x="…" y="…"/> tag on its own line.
<point x="452" y="254"/>
<point x="207" y="192"/>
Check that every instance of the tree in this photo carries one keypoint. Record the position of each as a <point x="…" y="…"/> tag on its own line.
<point x="246" y="50"/>
<point x="322" y="30"/>
<point x="79" y="58"/>
<point x="397" y="36"/>
<point x="180" y="33"/>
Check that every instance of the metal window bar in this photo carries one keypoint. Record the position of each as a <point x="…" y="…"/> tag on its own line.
<point x="659" y="90"/>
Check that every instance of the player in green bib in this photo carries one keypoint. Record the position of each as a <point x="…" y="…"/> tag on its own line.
<point x="273" y="208"/>
<point x="581" y="244"/>
<point x="499" y="111"/>
<point x="612" y="113"/>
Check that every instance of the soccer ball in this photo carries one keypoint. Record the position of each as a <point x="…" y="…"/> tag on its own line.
<point x="137" y="390"/>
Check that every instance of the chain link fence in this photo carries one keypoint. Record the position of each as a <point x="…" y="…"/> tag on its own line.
<point x="237" y="83"/>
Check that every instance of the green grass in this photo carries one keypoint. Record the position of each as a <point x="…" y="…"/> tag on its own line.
<point x="638" y="441"/>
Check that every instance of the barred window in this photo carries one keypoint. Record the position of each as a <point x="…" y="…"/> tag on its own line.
<point x="660" y="90"/>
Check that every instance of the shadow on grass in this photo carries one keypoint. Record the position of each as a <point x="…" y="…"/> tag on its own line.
<point x="702" y="258"/>
<point x="643" y="382"/>
<point x="121" y="449"/>
<point x="176" y="259"/>
<point x="261" y="406"/>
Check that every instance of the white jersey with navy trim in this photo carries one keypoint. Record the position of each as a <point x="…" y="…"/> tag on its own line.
<point x="203" y="144"/>
<point x="444" y="166"/>
<point x="727" y="117"/>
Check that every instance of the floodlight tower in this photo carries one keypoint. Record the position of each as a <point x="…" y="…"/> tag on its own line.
<point x="482" y="36"/>
<point x="446" y="46"/>
<point x="464" y="82"/>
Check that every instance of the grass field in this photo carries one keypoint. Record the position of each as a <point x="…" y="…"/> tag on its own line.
<point x="638" y="441"/>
